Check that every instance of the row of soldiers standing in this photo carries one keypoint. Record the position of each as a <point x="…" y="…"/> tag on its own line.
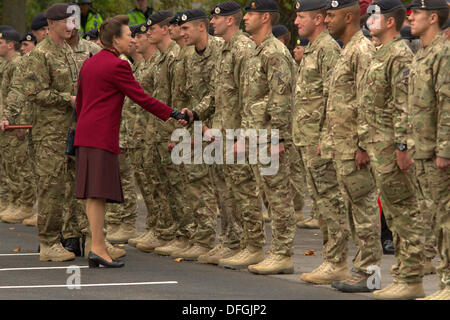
<point x="344" y="109"/>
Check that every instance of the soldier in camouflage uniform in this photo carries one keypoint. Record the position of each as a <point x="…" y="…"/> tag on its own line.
<point x="19" y="196"/>
<point x="227" y="106"/>
<point x="343" y="138"/>
<point x="267" y="104"/>
<point x="201" y="200"/>
<point x="168" y="176"/>
<point x="429" y="110"/>
<point x="50" y="84"/>
<point x="384" y="102"/>
<point x="136" y="127"/>
<point x="310" y="100"/>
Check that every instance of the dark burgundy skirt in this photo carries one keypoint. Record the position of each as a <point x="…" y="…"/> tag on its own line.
<point x="98" y="175"/>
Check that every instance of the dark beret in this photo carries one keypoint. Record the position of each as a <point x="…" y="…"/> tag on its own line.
<point x="384" y="6"/>
<point x="309" y="5"/>
<point x="58" y="11"/>
<point x="405" y="32"/>
<point x="279" y="30"/>
<point x="39" y="21"/>
<point x="262" y="6"/>
<point x="11" y="35"/>
<point x="302" y="42"/>
<point x="159" y="16"/>
<point x="91" y="35"/>
<point x="191" y="15"/>
<point x="339" y="4"/>
<point x="177" y="17"/>
<point x="428" y="4"/>
<point x="142" y="28"/>
<point x="83" y="1"/>
<point x="29" y="37"/>
<point x="226" y="8"/>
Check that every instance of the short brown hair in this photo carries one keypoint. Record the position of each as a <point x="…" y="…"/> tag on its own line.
<point x="203" y="20"/>
<point x="17" y="45"/>
<point x="165" y="22"/>
<point x="399" y="16"/>
<point x="237" y="18"/>
<point x="322" y="12"/>
<point x="442" y="16"/>
<point x="112" y="27"/>
<point x="274" y="18"/>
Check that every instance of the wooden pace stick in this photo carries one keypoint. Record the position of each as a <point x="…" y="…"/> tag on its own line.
<point x="19" y="127"/>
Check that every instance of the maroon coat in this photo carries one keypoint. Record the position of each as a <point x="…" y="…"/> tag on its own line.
<point x="105" y="81"/>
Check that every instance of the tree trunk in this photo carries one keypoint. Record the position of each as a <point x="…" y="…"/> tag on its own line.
<point x="13" y="14"/>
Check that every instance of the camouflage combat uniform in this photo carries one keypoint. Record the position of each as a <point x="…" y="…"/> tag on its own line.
<point x="203" y="203"/>
<point x="267" y="104"/>
<point x="429" y="109"/>
<point x="49" y="82"/>
<point x="341" y="140"/>
<point x="384" y="105"/>
<point x="311" y="94"/>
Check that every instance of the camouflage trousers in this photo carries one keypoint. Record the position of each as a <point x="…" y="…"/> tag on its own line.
<point x="142" y="168"/>
<point x="278" y="190"/>
<point x="360" y="198"/>
<point x="15" y="164"/>
<point x="54" y="171"/>
<point x="401" y="210"/>
<point x="125" y="212"/>
<point x="332" y="214"/>
<point x="173" y="218"/>
<point x="436" y="183"/>
<point x="202" y="203"/>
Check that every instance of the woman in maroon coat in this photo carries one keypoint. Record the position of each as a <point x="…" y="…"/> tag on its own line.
<point x="105" y="80"/>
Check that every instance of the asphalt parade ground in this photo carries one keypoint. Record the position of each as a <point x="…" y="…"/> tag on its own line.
<point x="147" y="276"/>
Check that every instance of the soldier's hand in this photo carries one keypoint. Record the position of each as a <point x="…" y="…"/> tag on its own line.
<point x="3" y="125"/>
<point x="403" y="160"/>
<point x="73" y="100"/>
<point x="190" y="116"/>
<point x="207" y="133"/>
<point x="20" y="135"/>
<point x="442" y="163"/>
<point x="171" y="145"/>
<point x="239" y="147"/>
<point x="277" y="149"/>
<point x="361" y="159"/>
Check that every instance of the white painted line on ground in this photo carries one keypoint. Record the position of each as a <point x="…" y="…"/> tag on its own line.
<point x="90" y="285"/>
<point x="18" y="254"/>
<point x="41" y="268"/>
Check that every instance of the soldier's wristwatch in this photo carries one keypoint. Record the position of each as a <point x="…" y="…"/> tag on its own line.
<point x="401" y="146"/>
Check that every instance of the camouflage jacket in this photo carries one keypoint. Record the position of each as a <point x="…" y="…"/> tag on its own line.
<point x="49" y="82"/>
<point x="200" y="73"/>
<point x="228" y="81"/>
<point x="84" y="50"/>
<point x="429" y="99"/>
<point x="311" y="89"/>
<point x="344" y="123"/>
<point x="134" y="118"/>
<point x="180" y="97"/>
<point x="163" y="83"/>
<point x="268" y="89"/>
<point x="7" y="72"/>
<point x="385" y="93"/>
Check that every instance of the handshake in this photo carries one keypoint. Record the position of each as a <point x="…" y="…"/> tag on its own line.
<point x="185" y="116"/>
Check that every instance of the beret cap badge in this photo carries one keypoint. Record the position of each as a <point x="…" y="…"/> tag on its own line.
<point x="143" y="28"/>
<point x="253" y="5"/>
<point x="184" y="17"/>
<point x="334" y="3"/>
<point x="28" y="38"/>
<point x="217" y="10"/>
<point x="297" y="5"/>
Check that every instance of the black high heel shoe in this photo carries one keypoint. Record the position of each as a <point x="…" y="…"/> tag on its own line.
<point x="95" y="261"/>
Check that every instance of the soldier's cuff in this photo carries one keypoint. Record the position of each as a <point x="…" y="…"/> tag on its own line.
<point x="444" y="153"/>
